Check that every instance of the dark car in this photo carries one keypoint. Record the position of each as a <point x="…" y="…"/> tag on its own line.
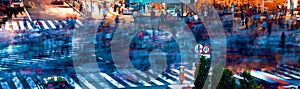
<point x="58" y="82"/>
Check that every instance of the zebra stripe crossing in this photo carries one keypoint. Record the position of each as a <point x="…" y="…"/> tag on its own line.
<point x="30" y="25"/>
<point x="92" y="80"/>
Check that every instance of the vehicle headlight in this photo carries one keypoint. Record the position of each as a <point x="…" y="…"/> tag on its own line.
<point x="21" y="4"/>
<point x="11" y="5"/>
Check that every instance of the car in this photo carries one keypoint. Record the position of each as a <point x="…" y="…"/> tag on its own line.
<point x="128" y="11"/>
<point x="57" y="2"/>
<point x="172" y="12"/>
<point x="57" y="82"/>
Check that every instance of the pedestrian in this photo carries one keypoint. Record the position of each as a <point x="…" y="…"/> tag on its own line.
<point x="242" y="17"/>
<point x="117" y="19"/>
<point x="80" y="7"/>
<point x="246" y="22"/>
<point x="282" y="41"/>
<point x="269" y="27"/>
<point x="264" y="26"/>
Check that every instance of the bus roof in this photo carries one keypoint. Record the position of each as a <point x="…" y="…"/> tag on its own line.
<point x="268" y="77"/>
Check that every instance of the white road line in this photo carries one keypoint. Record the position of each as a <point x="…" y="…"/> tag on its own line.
<point x="4" y="85"/>
<point x="186" y="75"/>
<point x="27" y="15"/>
<point x="177" y="78"/>
<point x="79" y="22"/>
<point x="151" y="79"/>
<point x="127" y="82"/>
<point x="29" y="25"/>
<point x="7" y="26"/>
<point x="17" y="83"/>
<point x="114" y="82"/>
<point x="163" y="77"/>
<point x="21" y="23"/>
<point x="44" y="24"/>
<point x="15" y="25"/>
<point x="51" y="24"/>
<point x="85" y="82"/>
<point x="189" y="71"/>
<point x="295" y="76"/>
<point x="285" y="77"/>
<point x="72" y="82"/>
<point x="57" y="22"/>
<point x="101" y="82"/>
<point x="144" y="82"/>
<point x="31" y="83"/>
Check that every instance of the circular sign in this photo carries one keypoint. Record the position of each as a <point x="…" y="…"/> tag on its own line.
<point x="206" y="49"/>
<point x="198" y="48"/>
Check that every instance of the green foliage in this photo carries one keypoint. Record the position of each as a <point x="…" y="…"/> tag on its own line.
<point x="227" y="81"/>
<point x="201" y="72"/>
<point x="248" y="82"/>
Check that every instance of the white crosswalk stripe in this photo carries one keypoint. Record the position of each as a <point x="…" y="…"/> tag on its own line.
<point x="163" y="77"/>
<point x="44" y="25"/>
<point x="17" y="83"/>
<point x="114" y="82"/>
<point x="22" y="27"/>
<point x="86" y="82"/>
<point x="29" y="25"/>
<point x="31" y="83"/>
<point x="4" y="85"/>
<point x="7" y="26"/>
<point x="51" y="24"/>
<point x="15" y="25"/>
<point x="72" y="82"/>
<point x="186" y="75"/>
<point x="151" y="79"/>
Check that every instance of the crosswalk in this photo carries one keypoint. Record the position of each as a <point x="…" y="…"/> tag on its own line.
<point x="30" y="25"/>
<point x="95" y="80"/>
<point x="288" y="72"/>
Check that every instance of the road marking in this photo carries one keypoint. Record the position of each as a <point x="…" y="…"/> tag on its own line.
<point x="44" y="24"/>
<point x="151" y="79"/>
<point x="114" y="82"/>
<point x="17" y="83"/>
<point x="27" y="14"/>
<point x="31" y="83"/>
<point x="163" y="77"/>
<point x="15" y="25"/>
<point x="7" y="26"/>
<point x="51" y="24"/>
<point x="72" y="82"/>
<point x="4" y="85"/>
<point x="29" y="25"/>
<point x="21" y="23"/>
<point x="85" y="82"/>
<point x="186" y="75"/>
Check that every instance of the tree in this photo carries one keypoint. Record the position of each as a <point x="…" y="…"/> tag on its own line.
<point x="248" y="82"/>
<point x="202" y="69"/>
<point x="227" y="81"/>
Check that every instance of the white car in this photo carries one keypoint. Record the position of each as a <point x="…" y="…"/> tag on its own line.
<point x="172" y="12"/>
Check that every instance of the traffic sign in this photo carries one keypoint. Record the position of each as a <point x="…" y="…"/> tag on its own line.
<point x="206" y="49"/>
<point x="198" y="48"/>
